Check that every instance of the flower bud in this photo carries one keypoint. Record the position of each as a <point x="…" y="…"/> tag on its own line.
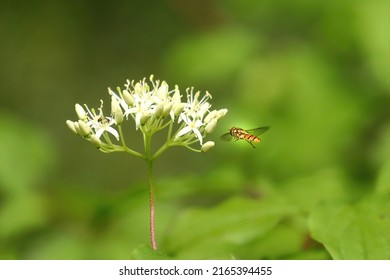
<point x="178" y="108"/>
<point x="207" y="146"/>
<point x="176" y="95"/>
<point x="221" y="113"/>
<point x="77" y="127"/>
<point x="159" y="110"/>
<point x="116" y="110"/>
<point x="210" y="116"/>
<point x="128" y="97"/>
<point x="167" y="110"/>
<point x="118" y="115"/>
<point x="85" y="129"/>
<point x="71" y="126"/>
<point x="95" y="140"/>
<point x="144" y="118"/>
<point x="80" y="112"/>
<point x="210" y="127"/>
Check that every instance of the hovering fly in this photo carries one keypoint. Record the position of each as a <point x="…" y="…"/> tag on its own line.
<point x="250" y="135"/>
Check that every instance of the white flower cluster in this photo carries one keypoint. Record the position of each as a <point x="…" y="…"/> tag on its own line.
<point x="153" y="108"/>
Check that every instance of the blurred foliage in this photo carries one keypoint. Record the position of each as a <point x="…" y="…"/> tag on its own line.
<point x="362" y="228"/>
<point x="316" y="187"/>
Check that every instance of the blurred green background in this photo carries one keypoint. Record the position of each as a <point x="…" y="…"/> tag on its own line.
<point x="316" y="187"/>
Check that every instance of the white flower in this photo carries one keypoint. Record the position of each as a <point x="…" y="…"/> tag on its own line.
<point x="122" y="100"/>
<point x="99" y="123"/>
<point x="105" y="125"/>
<point x="195" y="107"/>
<point x="192" y="115"/>
<point x="164" y="99"/>
<point x="193" y="125"/>
<point x="142" y="108"/>
<point x="141" y="100"/>
<point x="153" y="107"/>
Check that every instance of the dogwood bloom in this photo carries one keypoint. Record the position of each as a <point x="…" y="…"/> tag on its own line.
<point x="153" y="107"/>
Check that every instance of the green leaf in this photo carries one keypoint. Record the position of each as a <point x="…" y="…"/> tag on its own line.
<point x="309" y="190"/>
<point x="143" y="252"/>
<point x="283" y="240"/>
<point x="216" y="232"/>
<point x="354" y="231"/>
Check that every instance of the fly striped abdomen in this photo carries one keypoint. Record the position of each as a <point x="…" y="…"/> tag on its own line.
<point x="252" y="138"/>
<point x="250" y="135"/>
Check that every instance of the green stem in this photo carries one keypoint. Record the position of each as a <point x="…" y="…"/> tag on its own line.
<point x="124" y="146"/>
<point x="161" y="150"/>
<point x="132" y="152"/>
<point x="152" y="204"/>
<point x="121" y="136"/>
<point x="149" y="161"/>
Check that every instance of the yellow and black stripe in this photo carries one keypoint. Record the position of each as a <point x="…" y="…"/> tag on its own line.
<point x="250" y="135"/>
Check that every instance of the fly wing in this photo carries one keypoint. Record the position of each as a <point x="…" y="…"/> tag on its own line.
<point x="258" y="131"/>
<point x="227" y="137"/>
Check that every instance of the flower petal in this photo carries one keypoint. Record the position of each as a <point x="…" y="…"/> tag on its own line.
<point x="183" y="131"/>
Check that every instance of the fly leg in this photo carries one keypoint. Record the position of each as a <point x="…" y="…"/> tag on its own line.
<point x="250" y="142"/>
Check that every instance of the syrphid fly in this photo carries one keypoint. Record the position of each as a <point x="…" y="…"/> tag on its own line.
<point x="250" y="135"/>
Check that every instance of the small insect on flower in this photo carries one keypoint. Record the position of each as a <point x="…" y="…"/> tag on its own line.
<point x="250" y="135"/>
